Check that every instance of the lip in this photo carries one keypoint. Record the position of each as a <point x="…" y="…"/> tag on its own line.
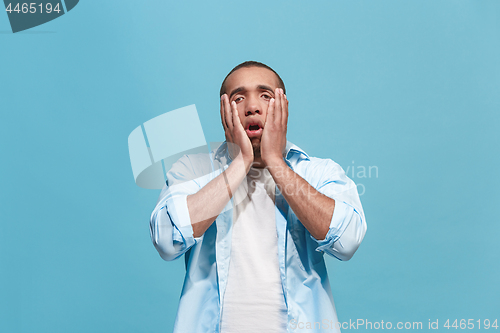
<point x="254" y="133"/>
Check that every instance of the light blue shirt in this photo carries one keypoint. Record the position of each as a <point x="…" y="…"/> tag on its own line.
<point x="304" y="278"/>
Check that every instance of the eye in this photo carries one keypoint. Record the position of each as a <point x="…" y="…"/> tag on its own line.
<point x="238" y="99"/>
<point x="266" y="96"/>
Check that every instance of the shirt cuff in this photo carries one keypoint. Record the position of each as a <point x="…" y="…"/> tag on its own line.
<point x="342" y="214"/>
<point x="179" y="214"/>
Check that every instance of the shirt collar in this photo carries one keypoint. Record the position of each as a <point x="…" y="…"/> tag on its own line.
<point x="222" y="152"/>
<point x="291" y="152"/>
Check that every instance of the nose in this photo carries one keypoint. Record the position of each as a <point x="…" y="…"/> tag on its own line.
<point x="253" y="107"/>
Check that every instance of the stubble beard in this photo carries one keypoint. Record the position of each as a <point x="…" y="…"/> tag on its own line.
<point x="256" y="147"/>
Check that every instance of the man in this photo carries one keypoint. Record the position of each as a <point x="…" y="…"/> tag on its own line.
<point x="254" y="218"/>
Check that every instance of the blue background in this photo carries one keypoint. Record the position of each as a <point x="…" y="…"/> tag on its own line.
<point x="411" y="87"/>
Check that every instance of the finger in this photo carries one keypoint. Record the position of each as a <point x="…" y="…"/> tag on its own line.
<point x="284" y="119"/>
<point x="277" y="106"/>
<point x="227" y="112"/>
<point x="222" y="115"/>
<point x="236" y="117"/>
<point x="270" y="112"/>
<point x="237" y="126"/>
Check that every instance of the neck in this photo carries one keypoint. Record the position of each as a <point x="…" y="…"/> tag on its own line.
<point x="258" y="163"/>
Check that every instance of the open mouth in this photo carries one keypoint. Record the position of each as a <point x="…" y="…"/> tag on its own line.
<point x="254" y="129"/>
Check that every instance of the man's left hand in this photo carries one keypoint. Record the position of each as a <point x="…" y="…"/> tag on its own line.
<point x="273" y="140"/>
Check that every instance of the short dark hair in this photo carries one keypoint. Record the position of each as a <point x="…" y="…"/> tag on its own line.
<point x="281" y="84"/>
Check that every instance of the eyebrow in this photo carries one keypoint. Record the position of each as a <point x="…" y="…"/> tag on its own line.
<point x="235" y="91"/>
<point x="259" y="87"/>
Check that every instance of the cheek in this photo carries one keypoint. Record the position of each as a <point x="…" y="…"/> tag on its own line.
<point x="265" y="108"/>
<point x="241" y="113"/>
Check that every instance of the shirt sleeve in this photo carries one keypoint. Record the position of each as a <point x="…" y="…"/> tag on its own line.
<point x="348" y="225"/>
<point x="170" y="223"/>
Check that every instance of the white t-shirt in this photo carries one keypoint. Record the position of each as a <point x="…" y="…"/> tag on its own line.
<point x="253" y="300"/>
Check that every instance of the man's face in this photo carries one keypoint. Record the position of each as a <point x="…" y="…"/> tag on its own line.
<point x="252" y="88"/>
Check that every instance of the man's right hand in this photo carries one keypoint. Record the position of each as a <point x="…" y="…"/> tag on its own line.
<point x="206" y="204"/>
<point x="238" y="140"/>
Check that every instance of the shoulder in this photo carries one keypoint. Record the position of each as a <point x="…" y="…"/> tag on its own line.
<point x="318" y="172"/>
<point x="310" y="166"/>
<point x="323" y="164"/>
<point x="196" y="165"/>
<point x="189" y="167"/>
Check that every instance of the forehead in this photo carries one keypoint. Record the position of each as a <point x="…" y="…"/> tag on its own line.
<point x="249" y="77"/>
